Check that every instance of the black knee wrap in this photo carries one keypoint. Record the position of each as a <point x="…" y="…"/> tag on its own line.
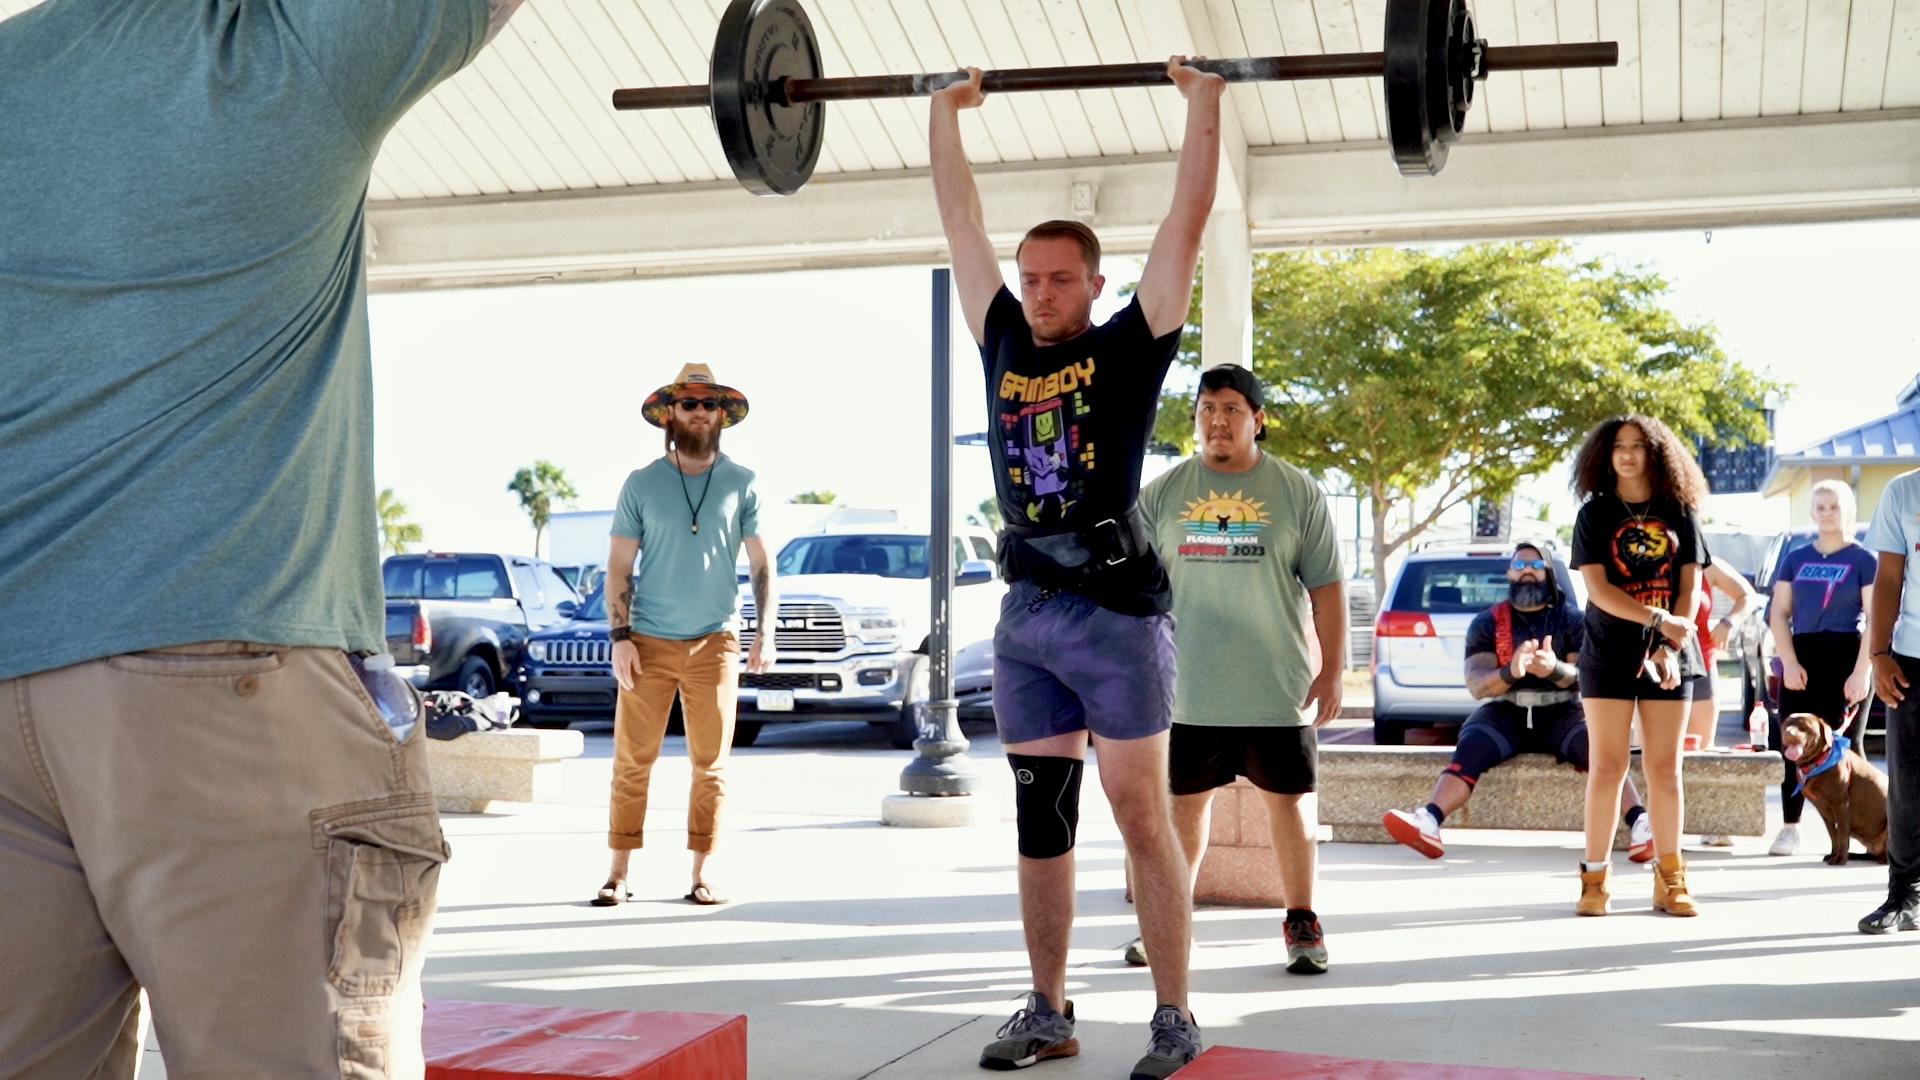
<point x="1477" y="751"/>
<point x="1046" y="803"/>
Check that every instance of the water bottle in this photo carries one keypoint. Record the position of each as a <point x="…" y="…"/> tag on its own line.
<point x="1757" y="727"/>
<point x="398" y="704"/>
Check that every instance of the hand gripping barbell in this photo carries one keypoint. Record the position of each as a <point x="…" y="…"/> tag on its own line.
<point x="765" y="85"/>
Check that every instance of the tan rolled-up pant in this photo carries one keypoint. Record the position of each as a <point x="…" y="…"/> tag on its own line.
<point x="233" y="827"/>
<point x="706" y="672"/>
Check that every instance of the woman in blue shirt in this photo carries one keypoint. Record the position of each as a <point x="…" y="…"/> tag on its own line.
<point x="1821" y="599"/>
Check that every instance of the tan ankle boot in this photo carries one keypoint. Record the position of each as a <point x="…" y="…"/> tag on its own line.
<point x="1670" y="887"/>
<point x="1593" y="891"/>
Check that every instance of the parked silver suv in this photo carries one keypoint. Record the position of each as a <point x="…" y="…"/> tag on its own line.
<point x="1420" y="633"/>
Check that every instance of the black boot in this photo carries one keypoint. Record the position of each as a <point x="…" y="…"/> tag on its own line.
<point x="1900" y="912"/>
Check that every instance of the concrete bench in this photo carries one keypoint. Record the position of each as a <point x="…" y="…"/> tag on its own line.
<point x="518" y="765"/>
<point x="1725" y="793"/>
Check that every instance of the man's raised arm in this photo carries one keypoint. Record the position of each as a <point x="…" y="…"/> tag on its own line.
<point x="1166" y="284"/>
<point x="976" y="270"/>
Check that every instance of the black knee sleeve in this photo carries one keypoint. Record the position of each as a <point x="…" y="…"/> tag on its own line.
<point x="1477" y="751"/>
<point x="1046" y="803"/>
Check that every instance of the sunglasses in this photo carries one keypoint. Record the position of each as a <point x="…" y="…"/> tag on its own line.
<point x="1529" y="564"/>
<point x="693" y="403"/>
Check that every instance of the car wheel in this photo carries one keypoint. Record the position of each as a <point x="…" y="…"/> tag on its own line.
<point x="476" y="677"/>
<point x="1389" y="733"/>
<point x="746" y="731"/>
<point x="904" y="730"/>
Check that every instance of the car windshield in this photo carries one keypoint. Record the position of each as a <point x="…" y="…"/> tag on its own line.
<point x="889" y="555"/>
<point x="1465" y="586"/>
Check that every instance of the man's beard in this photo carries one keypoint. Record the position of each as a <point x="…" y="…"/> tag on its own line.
<point x="1530" y="594"/>
<point x="698" y="443"/>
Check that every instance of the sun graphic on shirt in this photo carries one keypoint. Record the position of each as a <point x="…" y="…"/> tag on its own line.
<point x="1232" y="515"/>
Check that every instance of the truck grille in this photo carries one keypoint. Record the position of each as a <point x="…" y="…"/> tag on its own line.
<point x="603" y="698"/>
<point x="779" y="680"/>
<point x="580" y="651"/>
<point x="804" y="627"/>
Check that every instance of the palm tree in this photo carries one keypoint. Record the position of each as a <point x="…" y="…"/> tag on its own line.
<point x="396" y="532"/>
<point x="815" y="498"/>
<point x="538" y="488"/>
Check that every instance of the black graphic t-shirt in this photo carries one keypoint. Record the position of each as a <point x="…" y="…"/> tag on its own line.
<point x="1643" y="548"/>
<point x="1558" y="620"/>
<point x="1069" y="426"/>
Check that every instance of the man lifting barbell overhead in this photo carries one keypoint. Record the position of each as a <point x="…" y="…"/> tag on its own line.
<point x="1084" y="649"/>
<point x="766" y="89"/>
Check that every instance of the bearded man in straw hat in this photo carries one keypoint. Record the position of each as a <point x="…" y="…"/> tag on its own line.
<point x="672" y="622"/>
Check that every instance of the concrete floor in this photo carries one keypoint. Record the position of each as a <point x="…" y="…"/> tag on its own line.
<point x="858" y="951"/>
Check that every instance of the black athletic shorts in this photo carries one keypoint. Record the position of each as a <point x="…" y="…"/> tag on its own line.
<point x="1283" y="760"/>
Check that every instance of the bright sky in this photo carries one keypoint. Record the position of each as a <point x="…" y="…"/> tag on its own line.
<point x="470" y="385"/>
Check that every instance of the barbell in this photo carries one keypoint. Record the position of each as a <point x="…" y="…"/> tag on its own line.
<point x="767" y="91"/>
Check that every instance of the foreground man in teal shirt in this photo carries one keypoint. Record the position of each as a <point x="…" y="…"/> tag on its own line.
<point x="209" y="786"/>
<point x="686" y="517"/>
<point x="1248" y="541"/>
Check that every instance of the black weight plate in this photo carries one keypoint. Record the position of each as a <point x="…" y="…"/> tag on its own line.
<point x="1411" y="65"/>
<point x="1452" y="57"/>
<point x="772" y="146"/>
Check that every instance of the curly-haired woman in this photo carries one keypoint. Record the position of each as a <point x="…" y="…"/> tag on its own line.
<point x="1638" y="547"/>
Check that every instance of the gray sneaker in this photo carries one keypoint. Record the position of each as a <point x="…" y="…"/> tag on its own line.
<point x="1306" y="947"/>
<point x="1035" y="1033"/>
<point x="1174" y="1042"/>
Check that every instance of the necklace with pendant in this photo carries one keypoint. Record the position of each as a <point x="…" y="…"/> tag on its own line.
<point x="693" y="508"/>
<point x="1639" y="516"/>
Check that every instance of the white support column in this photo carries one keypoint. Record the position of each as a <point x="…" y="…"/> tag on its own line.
<point x="1226" y="290"/>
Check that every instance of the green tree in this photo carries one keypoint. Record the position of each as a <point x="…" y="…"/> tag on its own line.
<point x="816" y="498"/>
<point x="396" y="532"/>
<point x="1422" y="379"/>
<point x="989" y="513"/>
<point x="539" y="488"/>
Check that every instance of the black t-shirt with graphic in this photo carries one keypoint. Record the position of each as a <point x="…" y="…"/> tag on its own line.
<point x="1069" y="426"/>
<point x="1559" y="620"/>
<point x="1642" y="548"/>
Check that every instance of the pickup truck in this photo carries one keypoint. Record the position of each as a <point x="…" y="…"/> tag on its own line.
<point x="460" y="620"/>
<point x="854" y="625"/>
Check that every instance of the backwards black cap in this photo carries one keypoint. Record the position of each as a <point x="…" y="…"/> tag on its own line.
<point x="1235" y="377"/>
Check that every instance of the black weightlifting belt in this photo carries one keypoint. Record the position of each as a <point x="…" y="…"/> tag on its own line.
<point x="1054" y="556"/>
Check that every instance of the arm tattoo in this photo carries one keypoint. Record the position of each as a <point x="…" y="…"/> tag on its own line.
<point x="619" y="593"/>
<point x="498" y="12"/>
<point x="763" y="601"/>
<point x="1487" y="676"/>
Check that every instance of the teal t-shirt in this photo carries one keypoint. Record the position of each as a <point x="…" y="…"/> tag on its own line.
<point x="1896" y="531"/>
<point x="1241" y="550"/>
<point x="685" y="587"/>
<point x="185" y="376"/>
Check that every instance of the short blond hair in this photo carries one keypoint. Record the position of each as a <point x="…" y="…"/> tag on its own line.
<point x="1843" y="494"/>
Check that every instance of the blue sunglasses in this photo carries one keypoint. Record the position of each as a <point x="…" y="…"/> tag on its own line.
<point x="1529" y="564"/>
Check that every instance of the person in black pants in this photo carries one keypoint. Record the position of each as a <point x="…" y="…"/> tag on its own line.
<point x="1895" y="649"/>
<point x="1819" y="598"/>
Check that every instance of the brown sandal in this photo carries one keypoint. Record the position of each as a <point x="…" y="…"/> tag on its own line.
<point x="612" y="894"/>
<point x="703" y="896"/>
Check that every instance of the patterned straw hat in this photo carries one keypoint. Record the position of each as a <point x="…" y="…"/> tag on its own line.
<point x="660" y="402"/>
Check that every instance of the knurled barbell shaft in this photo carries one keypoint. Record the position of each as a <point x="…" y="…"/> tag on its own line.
<point x="1110" y="76"/>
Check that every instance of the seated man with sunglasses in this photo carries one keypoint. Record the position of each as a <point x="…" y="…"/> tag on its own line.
<point x="1520" y="660"/>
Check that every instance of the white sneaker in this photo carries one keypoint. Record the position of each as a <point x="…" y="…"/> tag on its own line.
<point x="1714" y="839"/>
<point x="1640" y="839"/>
<point x="1417" y="830"/>
<point x="1788" y="842"/>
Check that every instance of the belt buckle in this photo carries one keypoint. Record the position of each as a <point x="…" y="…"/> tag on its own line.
<point x="1117" y="547"/>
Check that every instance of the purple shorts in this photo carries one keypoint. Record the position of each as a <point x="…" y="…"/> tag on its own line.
<point x="1062" y="663"/>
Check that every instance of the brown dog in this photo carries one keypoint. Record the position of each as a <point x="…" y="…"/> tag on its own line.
<point x="1851" y="796"/>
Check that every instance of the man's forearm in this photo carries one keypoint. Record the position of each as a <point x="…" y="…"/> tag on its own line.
<point x="764" y="606"/>
<point x="619" y="600"/>
<point x="954" y="190"/>
<point x="1330" y="624"/>
<point x="1199" y="171"/>
<point x="1487" y="676"/>
<point x="1885" y="607"/>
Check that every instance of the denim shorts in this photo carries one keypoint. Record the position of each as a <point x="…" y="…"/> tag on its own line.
<point x="1062" y="663"/>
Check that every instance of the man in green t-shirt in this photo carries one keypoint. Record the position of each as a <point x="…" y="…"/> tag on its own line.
<point x="1251" y="552"/>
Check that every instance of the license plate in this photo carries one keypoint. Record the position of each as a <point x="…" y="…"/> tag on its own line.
<point x="776" y="701"/>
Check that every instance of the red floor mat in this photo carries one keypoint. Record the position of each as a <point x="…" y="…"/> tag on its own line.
<point x="1237" y="1063"/>
<point x="475" y="1040"/>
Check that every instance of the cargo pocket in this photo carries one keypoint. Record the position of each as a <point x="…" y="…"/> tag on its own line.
<point x="383" y="869"/>
<point x="364" y="1042"/>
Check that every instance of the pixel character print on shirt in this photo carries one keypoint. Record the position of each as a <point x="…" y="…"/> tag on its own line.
<point x="1041" y="421"/>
